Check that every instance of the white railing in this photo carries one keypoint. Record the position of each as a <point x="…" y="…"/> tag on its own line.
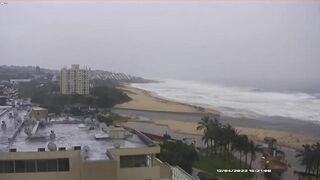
<point x="180" y="174"/>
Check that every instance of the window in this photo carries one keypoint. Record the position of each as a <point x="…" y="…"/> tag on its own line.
<point x="40" y="165"/>
<point x="63" y="164"/>
<point x="20" y="166"/>
<point x="1" y="166"/>
<point x="30" y="166"/>
<point x="62" y="148"/>
<point x="8" y="167"/>
<point x="76" y="148"/>
<point x="41" y="149"/>
<point x="133" y="161"/>
<point x="52" y="165"/>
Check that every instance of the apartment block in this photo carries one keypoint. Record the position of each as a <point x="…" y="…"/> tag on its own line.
<point x="74" y="80"/>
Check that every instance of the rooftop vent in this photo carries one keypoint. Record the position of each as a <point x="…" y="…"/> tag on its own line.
<point x="52" y="135"/>
<point x="13" y="150"/>
<point x="85" y="152"/>
<point x="76" y="148"/>
<point x="62" y="148"/>
<point x="86" y="149"/>
<point x="3" y="125"/>
<point x="41" y="149"/>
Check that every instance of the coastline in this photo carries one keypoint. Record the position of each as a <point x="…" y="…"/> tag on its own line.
<point x="144" y="101"/>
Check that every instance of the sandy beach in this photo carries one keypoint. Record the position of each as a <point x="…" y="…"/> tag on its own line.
<point x="286" y="139"/>
<point x="143" y="100"/>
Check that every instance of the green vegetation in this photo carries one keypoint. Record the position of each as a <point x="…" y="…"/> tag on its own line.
<point x="105" y="83"/>
<point x="111" y="119"/>
<point x="310" y="157"/>
<point x="178" y="153"/>
<point x="211" y="164"/>
<point x="7" y="73"/>
<point x="47" y="95"/>
<point x="226" y="139"/>
<point x="222" y="141"/>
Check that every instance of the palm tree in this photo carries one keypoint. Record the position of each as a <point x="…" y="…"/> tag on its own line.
<point x="211" y="132"/>
<point x="216" y="135"/>
<point x="205" y="138"/>
<point x="245" y="148"/>
<point x="241" y="144"/>
<point x="316" y="155"/>
<point x="230" y="136"/>
<point x="252" y="152"/>
<point x="204" y="125"/>
<point x="306" y="157"/>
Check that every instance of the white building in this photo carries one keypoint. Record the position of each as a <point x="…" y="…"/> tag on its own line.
<point x="74" y="80"/>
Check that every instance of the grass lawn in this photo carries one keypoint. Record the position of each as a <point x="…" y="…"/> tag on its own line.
<point x="211" y="164"/>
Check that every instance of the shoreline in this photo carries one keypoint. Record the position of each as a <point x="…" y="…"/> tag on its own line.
<point x="164" y="111"/>
<point x="143" y="100"/>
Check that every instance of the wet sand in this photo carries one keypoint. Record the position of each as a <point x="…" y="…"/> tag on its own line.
<point x="143" y="100"/>
<point x="289" y="125"/>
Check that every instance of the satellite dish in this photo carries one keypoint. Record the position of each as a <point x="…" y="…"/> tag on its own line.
<point x="52" y="146"/>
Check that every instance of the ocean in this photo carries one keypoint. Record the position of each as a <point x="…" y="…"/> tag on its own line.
<point x="236" y="101"/>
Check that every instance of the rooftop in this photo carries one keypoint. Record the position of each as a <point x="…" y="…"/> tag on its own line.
<point x="70" y="132"/>
<point x="38" y="108"/>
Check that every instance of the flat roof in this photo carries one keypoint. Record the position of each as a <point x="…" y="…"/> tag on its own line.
<point x="38" y="108"/>
<point x="68" y="134"/>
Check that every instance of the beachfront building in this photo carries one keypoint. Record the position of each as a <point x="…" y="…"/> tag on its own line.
<point x="69" y="150"/>
<point x="74" y="80"/>
<point x="73" y="149"/>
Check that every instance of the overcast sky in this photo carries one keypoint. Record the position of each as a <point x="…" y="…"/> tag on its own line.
<point x="269" y="41"/>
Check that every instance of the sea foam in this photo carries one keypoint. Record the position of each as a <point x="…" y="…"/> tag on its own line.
<point x="236" y="101"/>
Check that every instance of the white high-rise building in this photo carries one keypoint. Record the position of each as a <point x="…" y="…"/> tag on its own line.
<point x="74" y="80"/>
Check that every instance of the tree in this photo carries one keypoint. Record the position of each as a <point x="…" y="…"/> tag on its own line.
<point x="241" y="144"/>
<point x="178" y="153"/>
<point x="310" y="157"/>
<point x="229" y="137"/>
<point x="204" y="125"/>
<point x="215" y="134"/>
<point x="45" y="94"/>
<point x="316" y="150"/>
<point x="106" y="119"/>
<point x="252" y="152"/>
<point x="306" y="157"/>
